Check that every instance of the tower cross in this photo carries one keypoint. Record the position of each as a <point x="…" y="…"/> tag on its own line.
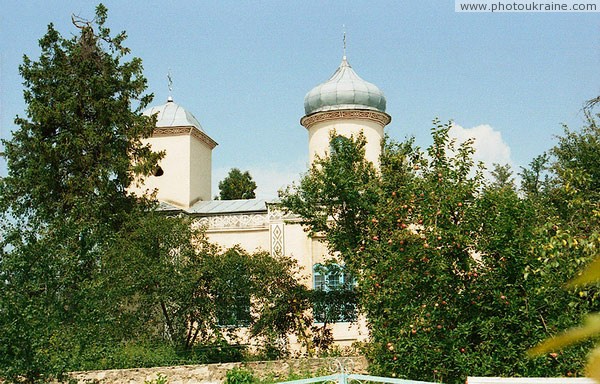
<point x="344" y="38"/>
<point x="170" y="85"/>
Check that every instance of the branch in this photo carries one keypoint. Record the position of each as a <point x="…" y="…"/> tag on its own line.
<point x="79" y="22"/>
<point x="591" y="103"/>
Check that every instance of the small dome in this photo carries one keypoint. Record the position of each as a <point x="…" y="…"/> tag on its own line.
<point x="172" y="115"/>
<point x="344" y="90"/>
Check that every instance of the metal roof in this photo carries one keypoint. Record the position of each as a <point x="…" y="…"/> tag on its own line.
<point x="344" y="90"/>
<point x="173" y="115"/>
<point x="219" y="207"/>
<point x="162" y="206"/>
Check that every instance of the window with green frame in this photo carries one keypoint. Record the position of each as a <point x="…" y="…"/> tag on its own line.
<point x="334" y="299"/>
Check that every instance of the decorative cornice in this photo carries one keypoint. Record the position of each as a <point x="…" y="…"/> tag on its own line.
<point x="276" y="214"/>
<point x="204" y="138"/>
<point x="172" y="131"/>
<point x="185" y="131"/>
<point x="252" y="221"/>
<point x="380" y="117"/>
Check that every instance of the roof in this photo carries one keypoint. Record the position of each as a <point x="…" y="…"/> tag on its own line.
<point x="217" y="207"/>
<point x="171" y="114"/>
<point x="344" y="90"/>
<point x="220" y="207"/>
<point x="165" y="207"/>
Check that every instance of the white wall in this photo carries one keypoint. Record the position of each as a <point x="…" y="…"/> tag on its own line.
<point x="319" y="136"/>
<point x="173" y="186"/>
<point x="200" y="171"/>
<point x="186" y="169"/>
<point x="251" y="240"/>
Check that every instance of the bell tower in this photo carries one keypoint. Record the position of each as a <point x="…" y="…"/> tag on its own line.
<point x="184" y="174"/>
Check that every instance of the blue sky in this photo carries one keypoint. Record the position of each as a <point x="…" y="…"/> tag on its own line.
<point x="243" y="68"/>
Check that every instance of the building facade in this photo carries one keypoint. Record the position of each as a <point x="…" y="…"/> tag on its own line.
<point x="344" y="105"/>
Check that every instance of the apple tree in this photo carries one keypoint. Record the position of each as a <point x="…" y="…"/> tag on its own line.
<point x="450" y="270"/>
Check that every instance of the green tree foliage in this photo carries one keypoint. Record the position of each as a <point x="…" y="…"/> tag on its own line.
<point x="166" y="288"/>
<point x="589" y="329"/>
<point x="534" y="179"/>
<point x="337" y="195"/>
<point x="576" y="171"/>
<point x="237" y="185"/>
<point x="502" y="176"/>
<point x="574" y="197"/>
<point x="281" y="300"/>
<point x="453" y="273"/>
<point x="79" y="148"/>
<point x="177" y="279"/>
<point x="70" y="162"/>
<point x="90" y="275"/>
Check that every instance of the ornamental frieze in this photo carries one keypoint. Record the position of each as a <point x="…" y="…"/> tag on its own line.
<point x="204" y="138"/>
<point x="275" y="213"/>
<point x="252" y="221"/>
<point x="184" y="131"/>
<point x="380" y="117"/>
<point x="172" y="131"/>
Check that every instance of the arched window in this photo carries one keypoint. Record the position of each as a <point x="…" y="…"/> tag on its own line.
<point x="334" y="299"/>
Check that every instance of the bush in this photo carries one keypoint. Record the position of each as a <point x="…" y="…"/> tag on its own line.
<point x="240" y="376"/>
<point x="154" y="354"/>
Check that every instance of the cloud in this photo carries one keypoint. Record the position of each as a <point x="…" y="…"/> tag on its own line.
<point x="489" y="146"/>
<point x="269" y="177"/>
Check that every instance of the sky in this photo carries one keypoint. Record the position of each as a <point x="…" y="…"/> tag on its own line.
<point x="243" y="67"/>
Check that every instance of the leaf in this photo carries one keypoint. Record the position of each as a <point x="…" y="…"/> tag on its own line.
<point x="591" y="327"/>
<point x="589" y="276"/>
<point x="593" y="366"/>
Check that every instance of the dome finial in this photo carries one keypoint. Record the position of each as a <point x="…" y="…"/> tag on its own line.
<point x="170" y="85"/>
<point x="344" y="38"/>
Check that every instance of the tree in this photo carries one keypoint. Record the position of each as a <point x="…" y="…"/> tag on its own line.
<point x="65" y="198"/>
<point x="81" y="138"/>
<point x="237" y="185"/>
<point x="534" y="178"/>
<point x="190" y="293"/>
<point x="337" y="195"/>
<point x="502" y="176"/>
<point x="164" y="278"/>
<point x="574" y="195"/>
<point x="454" y="276"/>
<point x="576" y="175"/>
<point x="87" y="269"/>
<point x="280" y="305"/>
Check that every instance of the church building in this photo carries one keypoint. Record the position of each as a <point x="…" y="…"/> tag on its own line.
<point x="344" y="103"/>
